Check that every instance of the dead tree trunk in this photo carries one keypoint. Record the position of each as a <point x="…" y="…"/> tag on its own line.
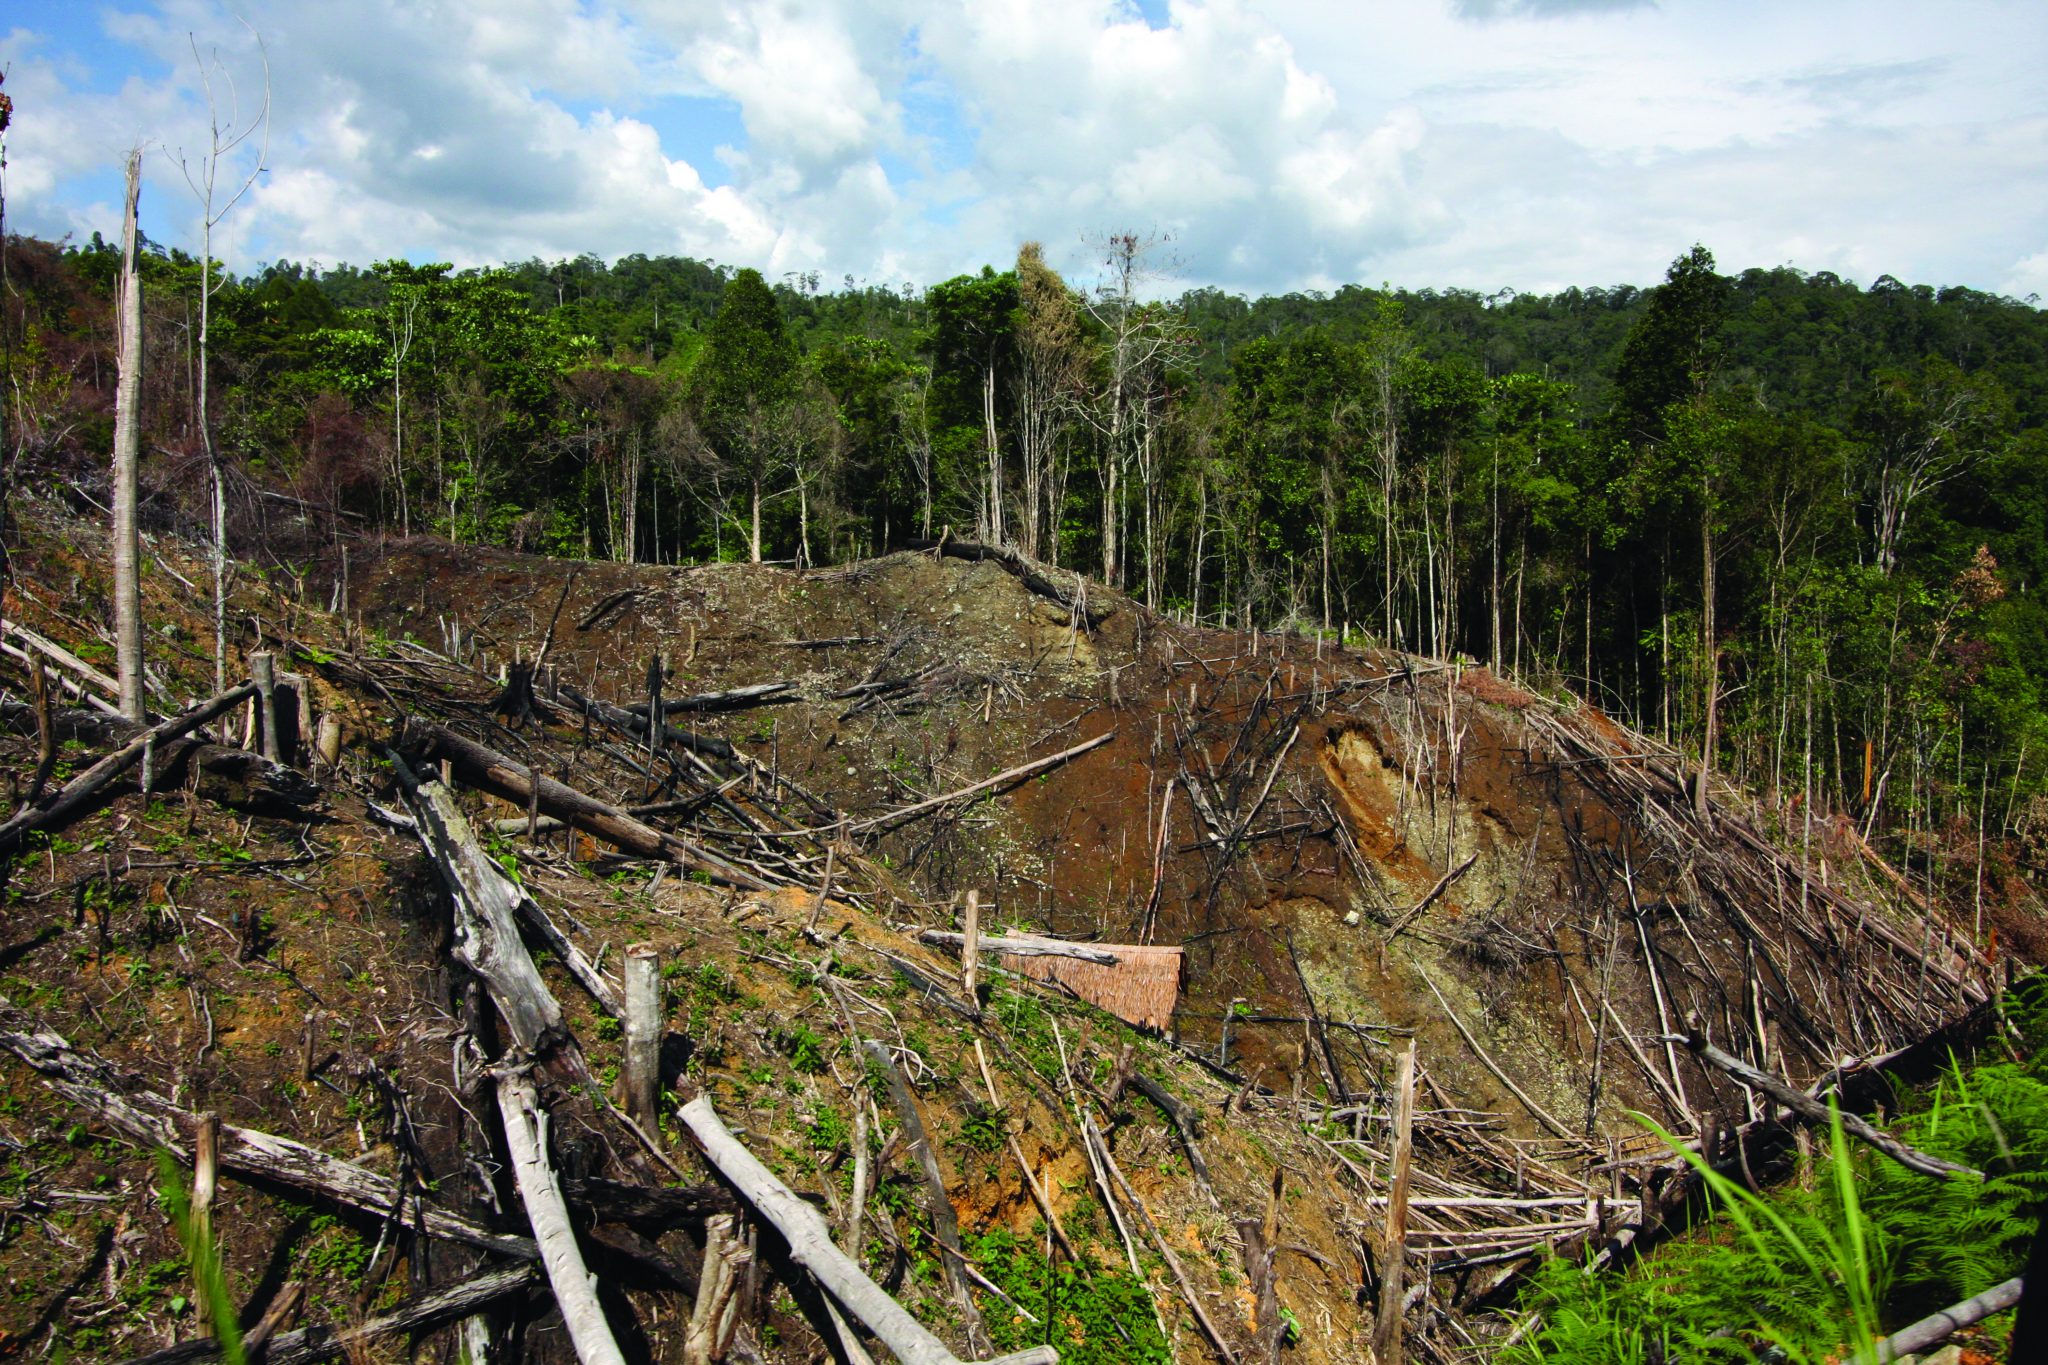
<point x="526" y="1136"/>
<point x="643" y="1021"/>
<point x="810" y="1246"/>
<point x="149" y="1119"/>
<point x="1386" y="1337"/>
<point x="945" y="1223"/>
<point x="486" y="925"/>
<point x="127" y="457"/>
<point x="485" y="767"/>
<point x="81" y="790"/>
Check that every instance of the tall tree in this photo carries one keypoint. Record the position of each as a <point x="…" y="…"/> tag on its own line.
<point x="226" y="133"/>
<point x="1662" y="400"/>
<point x="1050" y="366"/>
<point x="127" y="456"/>
<point x="1388" y="345"/>
<point x="974" y="328"/>
<point x="6" y="323"/>
<point x="1138" y="338"/>
<point x="745" y="384"/>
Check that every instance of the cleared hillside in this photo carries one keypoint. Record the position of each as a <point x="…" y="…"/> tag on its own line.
<point x="1356" y="850"/>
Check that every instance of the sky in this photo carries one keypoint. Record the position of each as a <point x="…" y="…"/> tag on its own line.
<point x="1266" y="145"/>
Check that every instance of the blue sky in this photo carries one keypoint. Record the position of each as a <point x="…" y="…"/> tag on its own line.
<point x="1529" y="144"/>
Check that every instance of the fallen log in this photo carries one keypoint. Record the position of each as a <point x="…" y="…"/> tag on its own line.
<point x="486" y="920"/>
<point x="526" y="1139"/>
<point x="736" y="699"/>
<point x="1016" y="774"/>
<point x="1031" y="575"/>
<point x="938" y="1203"/>
<point x="77" y="689"/>
<point x="1932" y="1331"/>
<point x="1186" y="1121"/>
<point x="310" y="1345"/>
<point x="1814" y="1111"/>
<point x="486" y="768"/>
<point x="149" y="1119"/>
<point x="50" y="649"/>
<point x="654" y="1208"/>
<point x="234" y="777"/>
<point x="81" y="790"/>
<point x="1541" y="1114"/>
<point x="811" y="1246"/>
<point x="1091" y="1135"/>
<point x="635" y="726"/>
<point x="1443" y="884"/>
<point x="1022" y="945"/>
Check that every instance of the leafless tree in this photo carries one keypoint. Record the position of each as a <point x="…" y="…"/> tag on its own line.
<point x="1934" y="426"/>
<point x="127" y="456"/>
<point x="226" y="135"/>
<point x="1139" y="338"/>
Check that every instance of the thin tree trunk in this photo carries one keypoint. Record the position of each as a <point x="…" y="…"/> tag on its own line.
<point x="995" y="454"/>
<point x="754" y="520"/>
<point x="1493" y="594"/>
<point x="1709" y="651"/>
<point x="127" y="458"/>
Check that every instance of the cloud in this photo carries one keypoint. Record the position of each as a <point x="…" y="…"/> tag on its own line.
<point x="1279" y="145"/>
<point x="1491" y="11"/>
<point x="1208" y="128"/>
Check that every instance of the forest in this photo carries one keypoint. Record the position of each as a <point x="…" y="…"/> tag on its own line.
<point x="1793" y="527"/>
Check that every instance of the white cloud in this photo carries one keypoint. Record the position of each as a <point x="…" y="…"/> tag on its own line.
<point x="1282" y="145"/>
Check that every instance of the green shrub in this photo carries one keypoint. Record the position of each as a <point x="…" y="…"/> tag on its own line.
<point x="1103" y="1320"/>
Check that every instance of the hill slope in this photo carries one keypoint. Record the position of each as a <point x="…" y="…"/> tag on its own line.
<point x="1354" y="849"/>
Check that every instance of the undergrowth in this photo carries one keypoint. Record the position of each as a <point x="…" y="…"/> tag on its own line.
<point x="1821" y="1269"/>
<point x="1105" y="1319"/>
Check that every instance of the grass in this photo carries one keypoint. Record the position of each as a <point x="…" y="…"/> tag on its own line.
<point x="1820" y="1275"/>
<point x="202" y="1254"/>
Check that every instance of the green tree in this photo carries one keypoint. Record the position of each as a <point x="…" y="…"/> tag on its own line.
<point x="745" y="385"/>
<point x="973" y="341"/>
<point x="1662" y="408"/>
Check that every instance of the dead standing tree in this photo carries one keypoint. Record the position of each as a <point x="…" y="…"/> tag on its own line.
<point x="127" y="455"/>
<point x="1139" y="338"/>
<point x="204" y="179"/>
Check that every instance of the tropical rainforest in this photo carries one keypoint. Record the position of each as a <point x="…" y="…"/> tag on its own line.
<point x="1793" y="526"/>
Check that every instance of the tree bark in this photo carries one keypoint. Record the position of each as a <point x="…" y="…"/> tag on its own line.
<point x="526" y="1136"/>
<point x="127" y="458"/>
<point x="486" y="922"/>
<point x="643" y="1023"/>
<point x="1386" y="1339"/>
<point x="811" y="1246"/>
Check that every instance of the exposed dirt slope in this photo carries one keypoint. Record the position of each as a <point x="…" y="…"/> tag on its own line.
<point x="1284" y="814"/>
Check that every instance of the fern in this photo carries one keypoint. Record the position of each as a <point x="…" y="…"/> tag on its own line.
<point x="1821" y="1274"/>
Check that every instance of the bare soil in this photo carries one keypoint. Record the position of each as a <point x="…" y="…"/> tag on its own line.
<point x="1279" y="807"/>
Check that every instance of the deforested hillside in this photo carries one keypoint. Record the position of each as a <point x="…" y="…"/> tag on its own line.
<point x="1090" y="980"/>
